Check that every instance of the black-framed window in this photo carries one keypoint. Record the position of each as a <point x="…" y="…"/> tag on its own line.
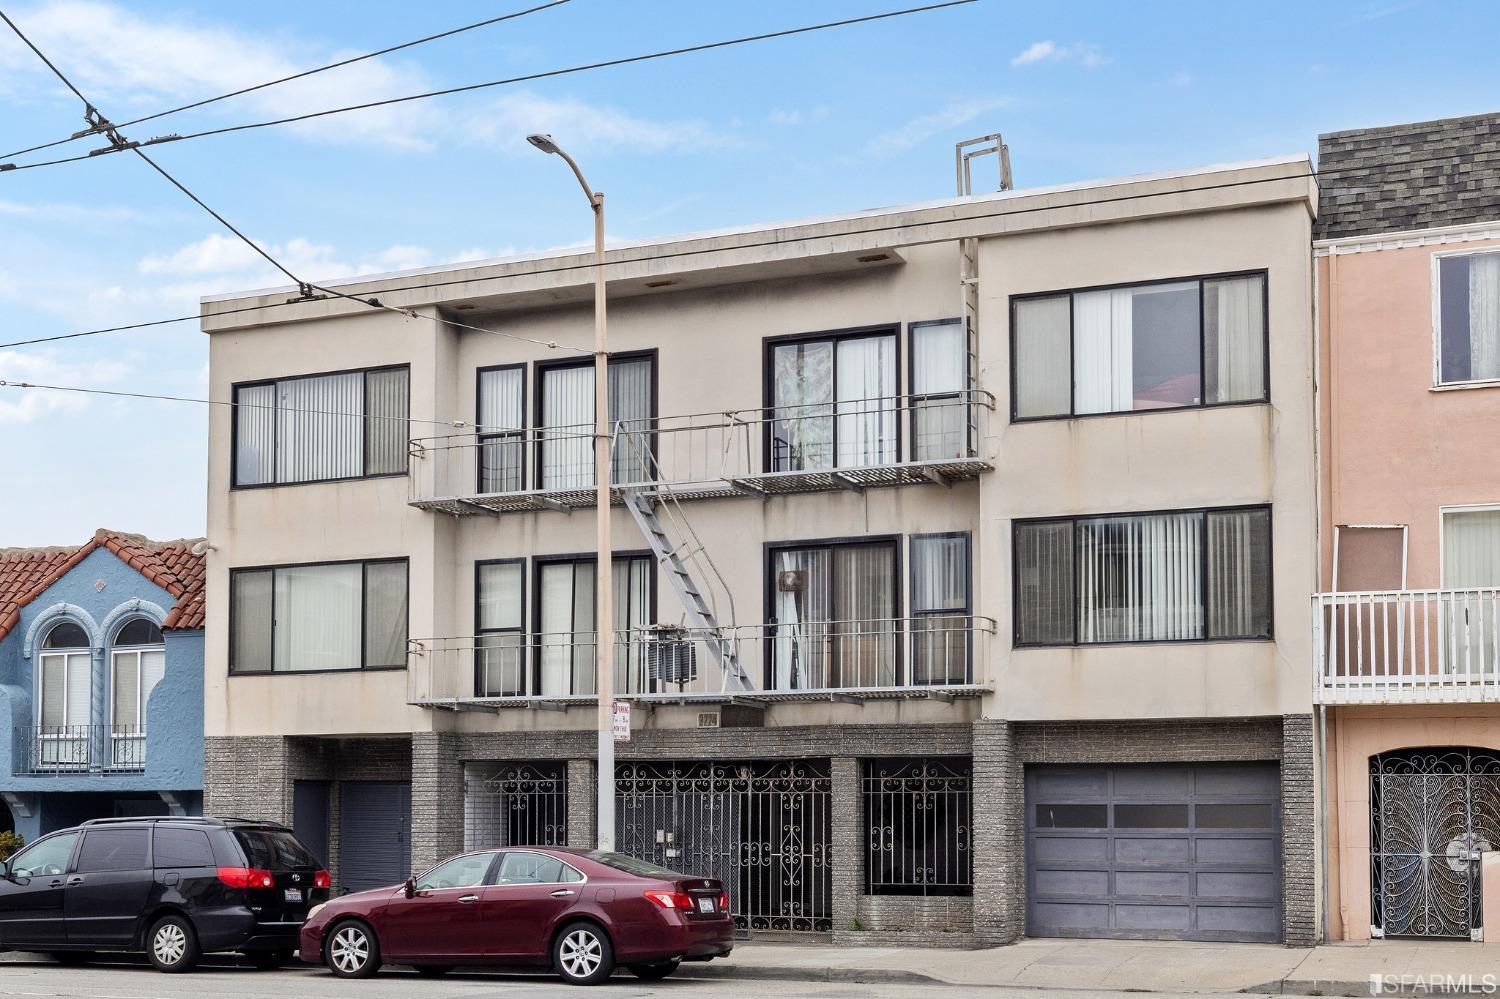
<point x="565" y="589"/>
<point x="501" y="414"/>
<point x="320" y="428"/>
<point x="1169" y="576"/>
<point x="318" y="617"/>
<point x="499" y="628"/>
<point x="836" y="610"/>
<point x="940" y="384"/>
<point x="565" y="420"/>
<point x="1468" y="318"/>
<point x="1174" y="344"/>
<point x="941" y="601"/>
<point x="833" y="398"/>
<point x="919" y="816"/>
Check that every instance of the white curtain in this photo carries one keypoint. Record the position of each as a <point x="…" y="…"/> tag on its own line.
<point x="1234" y="345"/>
<point x="1140" y="578"/>
<point x="1471" y="560"/>
<point x="499" y="656"/>
<point x="1103" y="325"/>
<point x="1484" y="316"/>
<point x="320" y="428"/>
<point x="1044" y="369"/>
<point x="631" y="592"/>
<point x="250" y="621"/>
<point x="802" y="612"/>
<point x="65" y="689"/>
<point x="939" y="372"/>
<point x="567" y="423"/>
<point x="318" y="611"/>
<point x="502" y="422"/>
<point x="255" y="435"/>
<point x="630" y="416"/>
<point x="864" y="392"/>
<point x="559" y="581"/>
<point x="940" y="582"/>
<point x="864" y="601"/>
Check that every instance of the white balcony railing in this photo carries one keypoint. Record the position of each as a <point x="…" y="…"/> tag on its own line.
<point x="1407" y="646"/>
<point x="921" y="656"/>
<point x="855" y="444"/>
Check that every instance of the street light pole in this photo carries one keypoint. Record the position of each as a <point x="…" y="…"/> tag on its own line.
<point x="604" y="645"/>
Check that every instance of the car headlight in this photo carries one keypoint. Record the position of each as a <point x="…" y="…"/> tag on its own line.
<point x="313" y="912"/>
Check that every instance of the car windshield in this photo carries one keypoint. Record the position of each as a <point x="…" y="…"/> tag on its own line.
<point x="633" y="865"/>
<point x="270" y="849"/>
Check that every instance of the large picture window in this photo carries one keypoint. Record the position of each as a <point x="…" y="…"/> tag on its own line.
<point x="1468" y="318"/>
<point x="313" y="618"/>
<point x="565" y="417"/>
<point x="1165" y="345"/>
<point x="1157" y="577"/>
<point x="834" y="401"/>
<point x="321" y="427"/>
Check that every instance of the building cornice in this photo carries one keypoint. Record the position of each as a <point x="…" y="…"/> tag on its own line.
<point x="1466" y="233"/>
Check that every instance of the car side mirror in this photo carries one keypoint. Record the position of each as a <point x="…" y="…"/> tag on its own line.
<point x="410" y="888"/>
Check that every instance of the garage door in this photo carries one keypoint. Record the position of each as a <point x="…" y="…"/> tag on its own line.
<point x="374" y="834"/>
<point x="1158" y="852"/>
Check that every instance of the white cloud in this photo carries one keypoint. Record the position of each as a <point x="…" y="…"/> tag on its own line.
<point x="1085" y="53"/>
<point x="30" y="405"/>
<point x="1182" y="79"/>
<point x="63" y="212"/>
<point x="576" y="125"/>
<point x="924" y="127"/>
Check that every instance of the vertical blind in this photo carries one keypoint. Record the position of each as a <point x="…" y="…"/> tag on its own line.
<point x="322" y="427"/>
<point x="939" y="377"/>
<point x="939" y="607"/>
<point x="1144" y="578"/>
<point x="1157" y="346"/>
<point x="568" y="422"/>
<point x="502" y="420"/>
<point x="318" y="617"/>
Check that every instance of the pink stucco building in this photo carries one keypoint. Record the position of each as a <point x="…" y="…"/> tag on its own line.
<point x="1407" y="655"/>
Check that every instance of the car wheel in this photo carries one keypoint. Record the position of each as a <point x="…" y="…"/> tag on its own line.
<point x="268" y="960"/>
<point x="433" y="970"/>
<point x="582" y="955"/>
<point x="654" y="971"/>
<point x="172" y="945"/>
<point x="72" y="956"/>
<point x="352" y="951"/>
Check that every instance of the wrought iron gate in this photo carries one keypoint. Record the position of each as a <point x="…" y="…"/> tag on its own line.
<point x="514" y="804"/>
<point x="1432" y="813"/>
<point x="762" y="828"/>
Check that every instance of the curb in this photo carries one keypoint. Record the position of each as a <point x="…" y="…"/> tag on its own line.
<point x="785" y="973"/>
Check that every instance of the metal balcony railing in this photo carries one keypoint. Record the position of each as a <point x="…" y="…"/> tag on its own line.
<point x="856" y="444"/>
<point x="51" y="750"/>
<point x="1407" y="646"/>
<point x="922" y="656"/>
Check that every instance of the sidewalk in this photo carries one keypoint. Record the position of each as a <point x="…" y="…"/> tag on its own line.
<point x="1123" y="965"/>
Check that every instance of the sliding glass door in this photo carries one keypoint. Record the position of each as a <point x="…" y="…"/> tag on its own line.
<point x="565" y="623"/>
<point x="835" y="610"/>
<point x="834" y="402"/>
<point x="566" y="418"/>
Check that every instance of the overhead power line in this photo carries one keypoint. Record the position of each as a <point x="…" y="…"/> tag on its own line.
<point x="287" y="79"/>
<point x="467" y="88"/>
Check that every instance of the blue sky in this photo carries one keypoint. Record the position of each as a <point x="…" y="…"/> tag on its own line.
<point x="842" y="120"/>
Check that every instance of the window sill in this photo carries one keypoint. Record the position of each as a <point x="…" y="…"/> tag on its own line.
<point x="1465" y="386"/>
<point x="1268" y="640"/>
<point x="237" y="487"/>
<point x="353" y="671"/>
<point x="1198" y="408"/>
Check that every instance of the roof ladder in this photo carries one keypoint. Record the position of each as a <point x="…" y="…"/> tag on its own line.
<point x="968" y="256"/>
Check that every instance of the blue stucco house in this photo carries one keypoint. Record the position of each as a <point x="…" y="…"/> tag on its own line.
<point x="101" y="681"/>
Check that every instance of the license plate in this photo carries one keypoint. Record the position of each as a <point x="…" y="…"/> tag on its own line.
<point x="705" y="905"/>
<point x="292" y="894"/>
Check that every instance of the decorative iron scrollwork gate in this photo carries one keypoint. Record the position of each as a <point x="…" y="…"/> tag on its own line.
<point x="514" y="804"/>
<point x="1432" y="813"/>
<point x="763" y="828"/>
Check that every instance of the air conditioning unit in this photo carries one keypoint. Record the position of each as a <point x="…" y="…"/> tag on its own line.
<point x="671" y="657"/>
<point x="708" y="719"/>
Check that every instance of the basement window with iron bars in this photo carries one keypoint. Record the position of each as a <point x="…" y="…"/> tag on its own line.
<point x="919" y="815"/>
<point x="321" y="428"/>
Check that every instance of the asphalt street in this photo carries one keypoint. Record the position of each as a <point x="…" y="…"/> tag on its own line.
<point x="130" y="980"/>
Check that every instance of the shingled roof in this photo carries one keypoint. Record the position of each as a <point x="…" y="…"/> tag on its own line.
<point x="1402" y="178"/>
<point x="26" y="572"/>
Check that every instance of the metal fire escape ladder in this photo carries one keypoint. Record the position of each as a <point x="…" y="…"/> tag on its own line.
<point x="968" y="256"/>
<point x="675" y="556"/>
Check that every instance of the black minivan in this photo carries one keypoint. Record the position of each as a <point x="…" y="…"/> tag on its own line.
<point x="175" y="888"/>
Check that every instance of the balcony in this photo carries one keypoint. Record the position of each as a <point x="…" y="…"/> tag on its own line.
<point x="852" y="445"/>
<point x="1407" y="647"/>
<point x="920" y="657"/>
<point x="63" y="750"/>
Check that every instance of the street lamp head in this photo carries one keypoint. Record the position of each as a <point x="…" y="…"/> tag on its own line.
<point x="542" y="141"/>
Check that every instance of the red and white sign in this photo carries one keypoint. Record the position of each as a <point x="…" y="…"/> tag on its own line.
<point x="622" y="721"/>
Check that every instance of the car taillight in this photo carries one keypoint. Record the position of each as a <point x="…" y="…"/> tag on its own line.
<point x="723" y="901"/>
<point x="671" y="899"/>
<point x="246" y="877"/>
<point x="322" y="880"/>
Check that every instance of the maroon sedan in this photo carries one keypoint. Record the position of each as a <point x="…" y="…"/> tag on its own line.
<point x="580" y="912"/>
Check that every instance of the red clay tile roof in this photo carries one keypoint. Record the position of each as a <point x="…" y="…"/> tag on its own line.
<point x="26" y="572"/>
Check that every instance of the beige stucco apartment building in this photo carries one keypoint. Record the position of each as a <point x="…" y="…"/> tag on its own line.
<point x="1408" y="265"/>
<point x="1004" y="507"/>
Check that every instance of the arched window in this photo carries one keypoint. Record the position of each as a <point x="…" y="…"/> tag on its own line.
<point x="137" y="663"/>
<point x="64" y="677"/>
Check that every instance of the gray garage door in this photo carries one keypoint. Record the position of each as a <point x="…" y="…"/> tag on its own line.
<point x="1160" y="852"/>
<point x="374" y="834"/>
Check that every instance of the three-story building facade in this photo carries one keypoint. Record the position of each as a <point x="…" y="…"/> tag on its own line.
<point x="962" y="553"/>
